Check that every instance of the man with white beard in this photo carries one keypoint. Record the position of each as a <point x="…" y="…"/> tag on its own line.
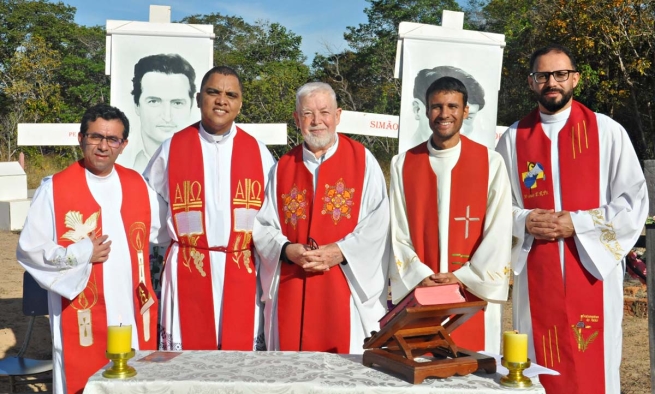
<point x="322" y="235"/>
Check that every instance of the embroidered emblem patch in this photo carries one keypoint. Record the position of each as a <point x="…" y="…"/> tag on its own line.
<point x="80" y="228"/>
<point x="295" y="206"/>
<point x="583" y="343"/>
<point x="535" y="171"/>
<point x="338" y="201"/>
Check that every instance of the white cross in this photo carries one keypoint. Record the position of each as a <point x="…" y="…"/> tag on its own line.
<point x="467" y="219"/>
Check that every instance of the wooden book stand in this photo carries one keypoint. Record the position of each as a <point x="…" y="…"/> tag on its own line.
<point x="425" y="330"/>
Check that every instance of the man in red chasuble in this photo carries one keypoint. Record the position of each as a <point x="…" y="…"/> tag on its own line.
<point x="213" y="177"/>
<point x="86" y="240"/>
<point x="451" y="216"/>
<point x="579" y="205"/>
<point x="322" y="234"/>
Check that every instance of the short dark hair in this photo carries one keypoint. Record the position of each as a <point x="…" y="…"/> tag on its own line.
<point x="552" y="48"/>
<point x="105" y="112"/>
<point x="223" y="70"/>
<point x="446" y="84"/>
<point x="426" y="77"/>
<point x="166" y="63"/>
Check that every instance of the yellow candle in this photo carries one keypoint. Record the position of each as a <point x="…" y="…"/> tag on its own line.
<point x="515" y="347"/>
<point x="119" y="339"/>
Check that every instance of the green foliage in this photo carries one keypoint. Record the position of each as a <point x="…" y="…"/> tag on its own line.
<point x="613" y="41"/>
<point x="51" y="70"/>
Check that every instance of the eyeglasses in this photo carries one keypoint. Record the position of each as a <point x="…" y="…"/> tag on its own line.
<point x="312" y="243"/>
<point x="96" y="139"/>
<point x="544" y="76"/>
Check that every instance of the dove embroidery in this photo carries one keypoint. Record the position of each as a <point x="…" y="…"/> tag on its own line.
<point x="79" y="229"/>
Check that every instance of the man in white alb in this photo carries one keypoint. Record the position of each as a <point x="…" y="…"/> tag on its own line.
<point x="85" y="240"/>
<point x="213" y="176"/>
<point x="451" y="216"/>
<point x="323" y="236"/>
<point x="579" y="205"/>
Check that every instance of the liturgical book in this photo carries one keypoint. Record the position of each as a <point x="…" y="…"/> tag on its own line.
<point x="426" y="295"/>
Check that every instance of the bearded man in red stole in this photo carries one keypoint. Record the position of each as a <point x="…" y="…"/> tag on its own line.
<point x="451" y="216"/>
<point x="213" y="177"/>
<point x="580" y="203"/>
<point x="323" y="236"/>
<point x="86" y="240"/>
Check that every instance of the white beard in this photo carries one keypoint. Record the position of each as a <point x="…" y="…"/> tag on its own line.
<point x="315" y="142"/>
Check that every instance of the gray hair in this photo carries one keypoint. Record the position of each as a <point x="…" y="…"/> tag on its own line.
<point x="312" y="87"/>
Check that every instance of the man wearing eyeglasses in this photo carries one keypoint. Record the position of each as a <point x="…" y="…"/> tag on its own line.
<point x="322" y="234"/>
<point x="579" y="205"/>
<point x="85" y="240"/>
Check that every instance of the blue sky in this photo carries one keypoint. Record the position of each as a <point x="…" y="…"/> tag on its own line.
<point x="318" y="24"/>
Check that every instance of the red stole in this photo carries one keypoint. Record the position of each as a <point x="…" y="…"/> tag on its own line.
<point x="314" y="309"/>
<point x="186" y="180"/>
<point x="84" y="319"/>
<point x="567" y="313"/>
<point x="468" y="207"/>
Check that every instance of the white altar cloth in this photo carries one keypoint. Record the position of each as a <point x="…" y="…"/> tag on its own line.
<point x="278" y="373"/>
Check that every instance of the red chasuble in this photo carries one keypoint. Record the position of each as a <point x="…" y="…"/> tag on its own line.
<point x="186" y="182"/>
<point x="84" y="319"/>
<point x="567" y="313"/>
<point x="314" y="309"/>
<point x="468" y="207"/>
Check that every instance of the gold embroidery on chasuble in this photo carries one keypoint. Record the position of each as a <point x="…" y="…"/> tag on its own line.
<point x="83" y="306"/>
<point x="583" y="343"/>
<point x="577" y="142"/>
<point x="247" y="196"/>
<point x="295" y="206"/>
<point x="187" y="211"/>
<point x="338" y="201"/>
<point x="80" y="229"/>
<point x="551" y="348"/>
<point x="607" y="234"/>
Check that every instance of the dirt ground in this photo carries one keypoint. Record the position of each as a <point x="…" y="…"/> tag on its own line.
<point x="635" y="367"/>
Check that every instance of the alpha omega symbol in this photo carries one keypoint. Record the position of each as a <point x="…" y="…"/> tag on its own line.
<point x="248" y="193"/>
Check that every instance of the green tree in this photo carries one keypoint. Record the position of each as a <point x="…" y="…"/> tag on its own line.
<point x="76" y="69"/>
<point x="613" y="41"/>
<point x="29" y="85"/>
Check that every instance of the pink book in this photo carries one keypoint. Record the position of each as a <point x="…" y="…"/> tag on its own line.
<point x="450" y="293"/>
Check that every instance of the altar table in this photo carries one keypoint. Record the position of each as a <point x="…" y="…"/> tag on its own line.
<point x="278" y="373"/>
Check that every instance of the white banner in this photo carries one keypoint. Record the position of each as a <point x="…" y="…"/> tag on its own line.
<point x="156" y="71"/>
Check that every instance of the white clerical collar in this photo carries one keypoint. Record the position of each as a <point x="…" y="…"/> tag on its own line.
<point x="100" y="179"/>
<point x="556" y="118"/>
<point x="444" y="153"/>
<point x="308" y="155"/>
<point x="218" y="139"/>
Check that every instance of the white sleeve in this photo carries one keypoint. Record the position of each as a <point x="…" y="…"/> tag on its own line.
<point x="268" y="239"/>
<point x="606" y="234"/>
<point x="522" y="240"/>
<point x="64" y="271"/>
<point x="367" y="248"/>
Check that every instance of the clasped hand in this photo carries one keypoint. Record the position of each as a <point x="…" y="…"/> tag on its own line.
<point x="548" y="225"/>
<point x="317" y="260"/>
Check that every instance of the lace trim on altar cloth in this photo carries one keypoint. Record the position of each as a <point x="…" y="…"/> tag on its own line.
<point x="166" y="341"/>
<point x="260" y="342"/>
